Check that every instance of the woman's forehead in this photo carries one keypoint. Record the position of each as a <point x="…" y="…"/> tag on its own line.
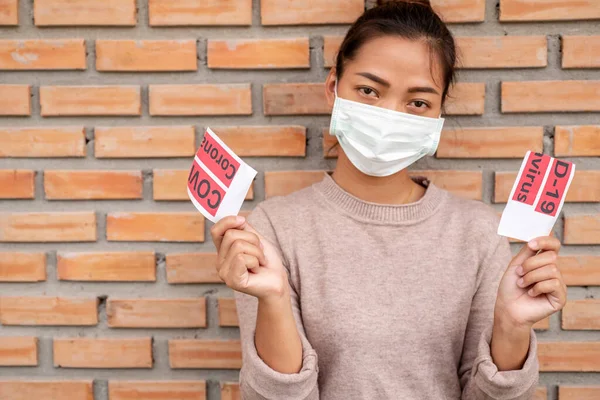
<point x="396" y="59"/>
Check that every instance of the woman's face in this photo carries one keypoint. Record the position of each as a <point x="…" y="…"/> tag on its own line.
<point x="393" y="73"/>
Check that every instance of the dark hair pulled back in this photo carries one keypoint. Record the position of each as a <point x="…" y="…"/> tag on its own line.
<point x="410" y="19"/>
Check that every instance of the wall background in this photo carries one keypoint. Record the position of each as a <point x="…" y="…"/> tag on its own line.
<point x="105" y="276"/>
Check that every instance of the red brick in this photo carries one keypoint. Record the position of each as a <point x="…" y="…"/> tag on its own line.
<point x="227" y="312"/>
<point x="84" y="12"/>
<point x="230" y="391"/>
<point x="578" y="392"/>
<point x="22" y="267"/>
<point x="331" y="45"/>
<point x="215" y="354"/>
<point x="581" y="315"/>
<point x="146" y="55"/>
<point x="577" y="141"/>
<point x="156" y="313"/>
<point x="190" y="100"/>
<point x="294" y="99"/>
<point x="460" y="10"/>
<point x="157" y="390"/>
<point x="330" y="145"/>
<point x="580" y="270"/>
<point x="104" y="267"/>
<point x="466" y="99"/>
<point x="258" y="53"/>
<point x="585" y="186"/>
<point x="569" y="356"/>
<point x="42" y="142"/>
<point x="192" y="12"/>
<point x="44" y="54"/>
<point x="52" y="311"/>
<point x="581" y="51"/>
<point x="582" y="229"/>
<point x="192" y="268"/>
<point x="457" y="10"/>
<point x="15" y="100"/>
<point x="282" y="183"/>
<point x="264" y="141"/>
<point x="9" y="12"/>
<point x="548" y="10"/>
<point x="144" y="142"/>
<point x="171" y="184"/>
<point x="541" y="393"/>
<point x="279" y="12"/>
<point x="48" y="227"/>
<point x="92" y="185"/>
<point x="18" y="351"/>
<point x="502" y="52"/>
<point x="17" y="184"/>
<point x="497" y="142"/>
<point x="90" y="100"/>
<point x="550" y="96"/>
<point x="103" y="353"/>
<point x="155" y="227"/>
<point x="542" y="325"/>
<point x="245" y="213"/>
<point x="55" y="390"/>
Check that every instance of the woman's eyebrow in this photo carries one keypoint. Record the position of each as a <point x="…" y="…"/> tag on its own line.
<point x="422" y="89"/>
<point x="374" y="78"/>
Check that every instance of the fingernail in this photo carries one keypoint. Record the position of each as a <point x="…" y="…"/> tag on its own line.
<point x="530" y="292"/>
<point x="520" y="282"/>
<point x="262" y="246"/>
<point x="520" y="270"/>
<point x="239" y="219"/>
<point x="533" y="245"/>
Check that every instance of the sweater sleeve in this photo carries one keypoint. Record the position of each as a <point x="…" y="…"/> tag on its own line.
<point x="257" y="379"/>
<point x="479" y="376"/>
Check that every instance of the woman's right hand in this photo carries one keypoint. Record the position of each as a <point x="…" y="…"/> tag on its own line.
<point x="246" y="262"/>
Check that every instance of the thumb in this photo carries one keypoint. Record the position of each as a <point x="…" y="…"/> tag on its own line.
<point x="523" y="255"/>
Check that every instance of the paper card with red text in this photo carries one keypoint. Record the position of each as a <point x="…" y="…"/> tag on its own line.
<point x="537" y="197"/>
<point x="219" y="180"/>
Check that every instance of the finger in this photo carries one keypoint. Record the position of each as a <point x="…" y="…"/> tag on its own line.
<point x="545" y="287"/>
<point x="218" y="230"/>
<point x="241" y="246"/>
<point x="544" y="243"/>
<point x="248" y="228"/>
<point x="238" y="272"/>
<point x="538" y="261"/>
<point x="231" y="236"/>
<point x="541" y="274"/>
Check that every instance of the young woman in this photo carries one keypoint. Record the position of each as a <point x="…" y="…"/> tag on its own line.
<point x="372" y="284"/>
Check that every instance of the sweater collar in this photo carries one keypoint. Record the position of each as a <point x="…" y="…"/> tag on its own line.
<point x="382" y="213"/>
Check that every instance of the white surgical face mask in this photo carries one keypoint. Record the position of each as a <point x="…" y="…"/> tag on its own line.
<point x="381" y="142"/>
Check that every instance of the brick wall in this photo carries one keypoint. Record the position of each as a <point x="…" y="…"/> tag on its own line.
<point x="107" y="284"/>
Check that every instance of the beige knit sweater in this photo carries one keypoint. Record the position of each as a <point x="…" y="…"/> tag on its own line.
<point x="391" y="301"/>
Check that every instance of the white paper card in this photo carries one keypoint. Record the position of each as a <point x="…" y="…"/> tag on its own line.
<point x="219" y="180"/>
<point x="537" y="197"/>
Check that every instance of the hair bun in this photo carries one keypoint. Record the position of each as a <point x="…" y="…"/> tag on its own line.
<point x="426" y="3"/>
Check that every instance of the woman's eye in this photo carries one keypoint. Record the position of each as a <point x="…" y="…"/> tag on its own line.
<point x="419" y="104"/>
<point x="368" y="92"/>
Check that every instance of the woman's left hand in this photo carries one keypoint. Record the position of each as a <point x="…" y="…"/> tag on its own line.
<point x="532" y="287"/>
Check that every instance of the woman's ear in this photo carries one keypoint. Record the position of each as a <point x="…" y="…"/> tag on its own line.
<point x="330" y="87"/>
